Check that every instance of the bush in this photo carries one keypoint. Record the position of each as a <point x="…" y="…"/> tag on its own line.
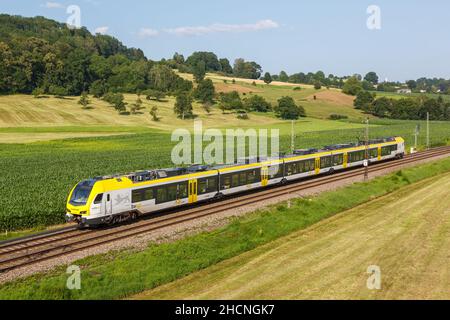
<point x="257" y="103"/>
<point x="288" y="110"/>
<point x="242" y="114"/>
<point x="335" y="116"/>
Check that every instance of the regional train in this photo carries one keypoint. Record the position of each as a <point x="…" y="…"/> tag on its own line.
<point x="113" y="199"/>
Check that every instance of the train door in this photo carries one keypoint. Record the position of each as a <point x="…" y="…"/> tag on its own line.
<point x="379" y="153"/>
<point x="108" y="205"/>
<point x="193" y="191"/>
<point x="317" y="165"/>
<point x="345" y="160"/>
<point x="264" y="176"/>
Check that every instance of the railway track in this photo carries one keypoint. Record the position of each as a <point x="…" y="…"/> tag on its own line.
<point x="31" y="250"/>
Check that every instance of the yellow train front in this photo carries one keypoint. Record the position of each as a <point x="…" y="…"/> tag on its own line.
<point x="112" y="199"/>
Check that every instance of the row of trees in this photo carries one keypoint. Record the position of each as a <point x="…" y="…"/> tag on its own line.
<point x="201" y="62"/>
<point x="404" y="109"/>
<point x="286" y="107"/>
<point x="319" y="79"/>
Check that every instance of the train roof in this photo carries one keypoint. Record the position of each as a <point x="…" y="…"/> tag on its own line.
<point x="155" y="174"/>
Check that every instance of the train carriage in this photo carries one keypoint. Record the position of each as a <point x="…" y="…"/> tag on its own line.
<point x="105" y="200"/>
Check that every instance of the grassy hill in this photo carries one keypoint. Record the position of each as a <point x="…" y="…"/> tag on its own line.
<point x="404" y="233"/>
<point x="47" y="118"/>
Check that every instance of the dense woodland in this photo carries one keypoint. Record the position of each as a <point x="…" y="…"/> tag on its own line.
<point x="44" y="55"/>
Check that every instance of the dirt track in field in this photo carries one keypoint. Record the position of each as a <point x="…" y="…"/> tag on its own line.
<point x="406" y="234"/>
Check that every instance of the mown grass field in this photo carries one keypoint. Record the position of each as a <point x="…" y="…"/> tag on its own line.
<point x="108" y="276"/>
<point x="404" y="233"/>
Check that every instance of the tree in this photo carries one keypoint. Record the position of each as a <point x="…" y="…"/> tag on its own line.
<point x="244" y="69"/>
<point x="283" y="77"/>
<point x="288" y="110"/>
<point x="382" y="107"/>
<point x="57" y="91"/>
<point x="411" y="84"/>
<point x="136" y="106"/>
<point x="317" y="85"/>
<point x="116" y="100"/>
<point x="209" y="59"/>
<point x="199" y="71"/>
<point x="368" y="86"/>
<point x="154" y="94"/>
<point x="84" y="100"/>
<point x="352" y="86"/>
<point x="205" y="91"/>
<point x="364" y="100"/>
<point x="371" y="77"/>
<point x="154" y="113"/>
<point x="38" y="92"/>
<point x="267" y="78"/>
<point x="226" y="66"/>
<point x="230" y="101"/>
<point x="98" y="88"/>
<point x="178" y="58"/>
<point x="183" y="105"/>
<point x="257" y="103"/>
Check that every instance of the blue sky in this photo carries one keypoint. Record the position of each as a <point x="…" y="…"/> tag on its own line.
<point x="280" y="35"/>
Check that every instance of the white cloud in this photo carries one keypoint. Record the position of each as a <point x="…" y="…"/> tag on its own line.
<point x="218" y="27"/>
<point x="53" y="5"/>
<point x="147" y="32"/>
<point x="102" y="30"/>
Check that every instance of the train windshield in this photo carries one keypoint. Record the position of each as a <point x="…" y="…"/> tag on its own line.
<point x="81" y="193"/>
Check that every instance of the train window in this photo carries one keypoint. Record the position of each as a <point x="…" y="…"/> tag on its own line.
<point x="295" y="169"/>
<point x="387" y="150"/>
<point x="172" y="191"/>
<point x="108" y="198"/>
<point x="276" y="171"/>
<point x="356" y="156"/>
<point x="161" y="195"/>
<point x="289" y="170"/>
<point x="251" y="176"/>
<point x="309" y="165"/>
<point x="235" y="180"/>
<point x="202" y="186"/>
<point x="301" y="166"/>
<point x="212" y="184"/>
<point x="98" y="198"/>
<point x="338" y="159"/>
<point x="325" y="162"/>
<point x="242" y="178"/>
<point x="373" y="153"/>
<point x="226" y="181"/>
<point x="136" y="195"/>
<point x="148" y="194"/>
<point x="182" y="190"/>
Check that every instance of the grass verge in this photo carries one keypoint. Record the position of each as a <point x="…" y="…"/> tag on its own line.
<point x="120" y="274"/>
